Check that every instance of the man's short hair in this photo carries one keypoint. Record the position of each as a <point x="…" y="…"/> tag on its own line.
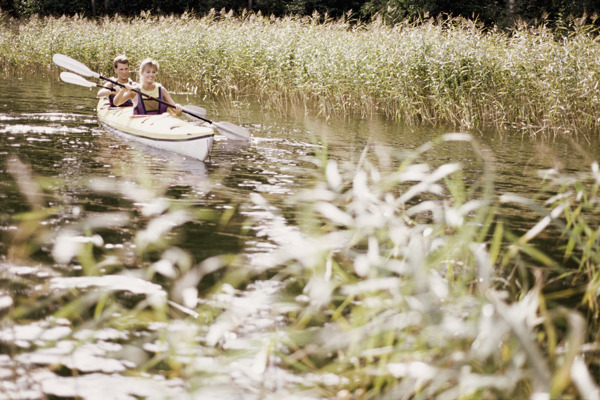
<point x="120" y="60"/>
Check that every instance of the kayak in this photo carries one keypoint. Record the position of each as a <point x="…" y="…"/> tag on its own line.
<point x="164" y="131"/>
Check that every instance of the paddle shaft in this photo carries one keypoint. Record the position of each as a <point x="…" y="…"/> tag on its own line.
<point x="104" y="87"/>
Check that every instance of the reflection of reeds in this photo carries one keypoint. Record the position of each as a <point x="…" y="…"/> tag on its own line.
<point x="449" y="71"/>
<point x="402" y="284"/>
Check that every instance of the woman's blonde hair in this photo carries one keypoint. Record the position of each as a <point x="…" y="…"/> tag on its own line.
<point x="147" y="64"/>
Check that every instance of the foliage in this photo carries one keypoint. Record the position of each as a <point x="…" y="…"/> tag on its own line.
<point x="392" y="284"/>
<point x="447" y="71"/>
<point x="404" y="300"/>
<point x="395" y="11"/>
<point x="572" y="210"/>
<point x="504" y="13"/>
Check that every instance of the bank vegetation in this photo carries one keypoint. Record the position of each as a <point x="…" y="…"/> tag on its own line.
<point x="444" y="71"/>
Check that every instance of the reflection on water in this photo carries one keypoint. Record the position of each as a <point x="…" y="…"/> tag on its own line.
<point x="52" y="127"/>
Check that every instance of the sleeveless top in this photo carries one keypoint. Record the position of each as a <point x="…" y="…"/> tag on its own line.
<point x="146" y="106"/>
<point x="111" y="97"/>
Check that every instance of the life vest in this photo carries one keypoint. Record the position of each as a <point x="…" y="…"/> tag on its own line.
<point x="146" y="106"/>
<point x="111" y="97"/>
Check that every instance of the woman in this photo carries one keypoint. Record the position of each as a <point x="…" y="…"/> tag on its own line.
<point x="143" y="105"/>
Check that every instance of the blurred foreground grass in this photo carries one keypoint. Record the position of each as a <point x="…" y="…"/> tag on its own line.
<point x="401" y="285"/>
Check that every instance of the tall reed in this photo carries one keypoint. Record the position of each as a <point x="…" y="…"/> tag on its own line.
<point x="437" y="71"/>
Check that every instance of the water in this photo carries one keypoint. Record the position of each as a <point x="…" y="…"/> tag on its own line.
<point x="51" y="127"/>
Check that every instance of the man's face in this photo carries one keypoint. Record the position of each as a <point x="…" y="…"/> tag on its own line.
<point x="122" y="71"/>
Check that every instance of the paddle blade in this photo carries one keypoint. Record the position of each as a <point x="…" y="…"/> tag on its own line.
<point x="195" y="112"/>
<point x="232" y="131"/>
<point x="70" y="77"/>
<point x="73" y="65"/>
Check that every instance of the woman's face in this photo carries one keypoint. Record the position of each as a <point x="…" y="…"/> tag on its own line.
<point x="149" y="75"/>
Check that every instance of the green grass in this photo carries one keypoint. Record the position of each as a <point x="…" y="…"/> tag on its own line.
<point x="400" y="284"/>
<point x="434" y="72"/>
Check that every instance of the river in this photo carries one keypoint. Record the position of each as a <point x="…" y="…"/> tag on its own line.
<point x="51" y="127"/>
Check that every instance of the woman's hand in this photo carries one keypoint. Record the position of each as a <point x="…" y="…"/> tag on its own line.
<point x="129" y="87"/>
<point x="124" y="94"/>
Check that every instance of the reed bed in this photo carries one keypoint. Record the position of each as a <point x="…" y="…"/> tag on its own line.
<point x="434" y="72"/>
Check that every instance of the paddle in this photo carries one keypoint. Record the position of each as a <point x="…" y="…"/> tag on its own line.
<point x="231" y="131"/>
<point x="75" y="79"/>
<point x="70" y="77"/>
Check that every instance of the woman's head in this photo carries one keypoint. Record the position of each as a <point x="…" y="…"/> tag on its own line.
<point x="148" y="65"/>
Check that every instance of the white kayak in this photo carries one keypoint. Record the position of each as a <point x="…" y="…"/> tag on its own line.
<point x="164" y="131"/>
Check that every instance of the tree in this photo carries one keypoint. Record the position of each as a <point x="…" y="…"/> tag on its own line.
<point x="502" y="12"/>
<point x="398" y="10"/>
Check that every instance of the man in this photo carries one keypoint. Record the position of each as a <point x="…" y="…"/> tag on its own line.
<point x="121" y="65"/>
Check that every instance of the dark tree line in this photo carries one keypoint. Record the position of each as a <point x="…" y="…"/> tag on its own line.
<point x="501" y="12"/>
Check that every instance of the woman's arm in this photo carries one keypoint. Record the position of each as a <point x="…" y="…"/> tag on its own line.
<point x="124" y="94"/>
<point x="169" y="100"/>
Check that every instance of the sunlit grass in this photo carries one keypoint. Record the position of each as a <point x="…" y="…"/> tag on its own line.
<point x="447" y="71"/>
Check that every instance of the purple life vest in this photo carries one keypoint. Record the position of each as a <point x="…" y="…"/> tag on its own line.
<point x="144" y="103"/>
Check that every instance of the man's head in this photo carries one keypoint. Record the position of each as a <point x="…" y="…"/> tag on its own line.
<point x="121" y="64"/>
